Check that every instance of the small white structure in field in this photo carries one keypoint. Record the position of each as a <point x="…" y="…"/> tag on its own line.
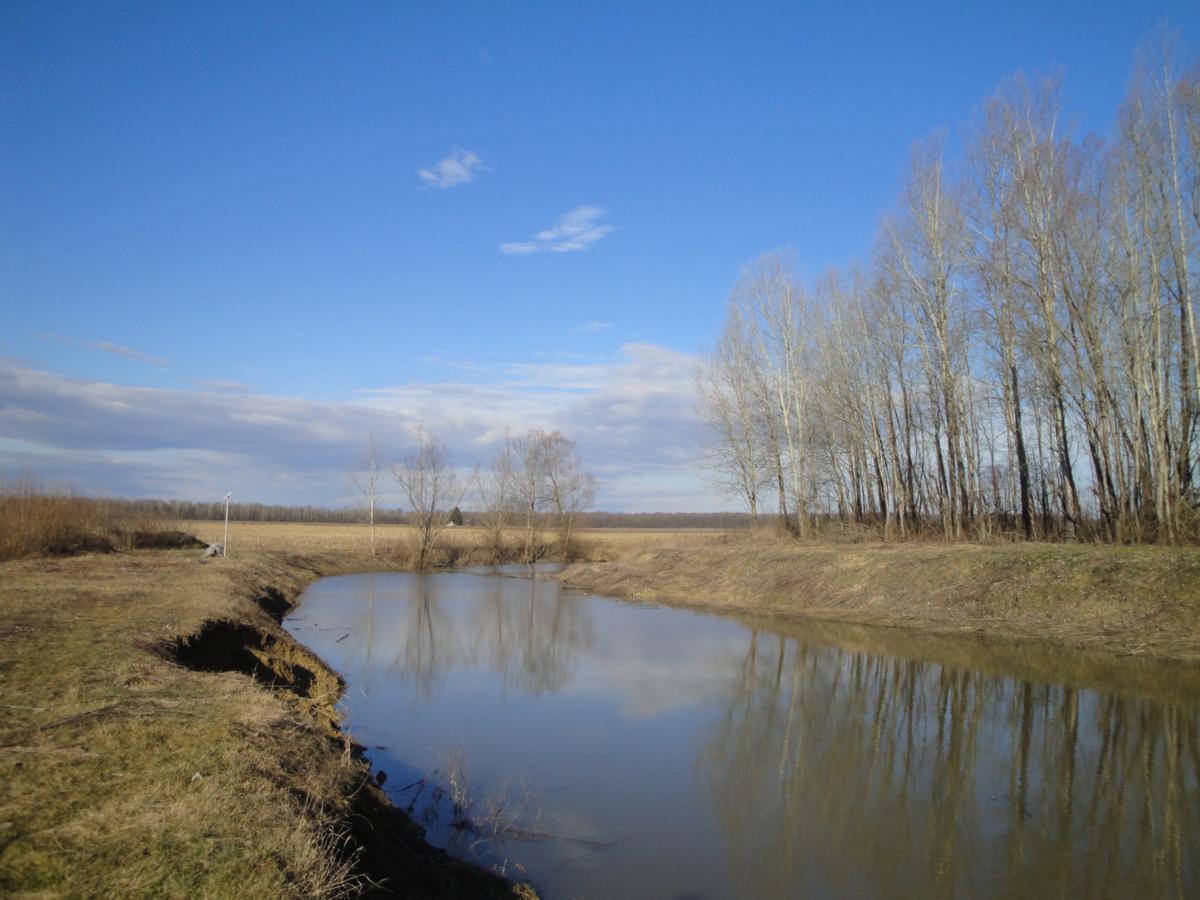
<point x="225" y="543"/>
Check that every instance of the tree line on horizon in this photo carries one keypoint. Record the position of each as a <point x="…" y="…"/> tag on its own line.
<point x="1017" y="358"/>
<point x="212" y="510"/>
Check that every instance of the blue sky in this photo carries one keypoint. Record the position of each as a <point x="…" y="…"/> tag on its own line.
<point x="215" y="213"/>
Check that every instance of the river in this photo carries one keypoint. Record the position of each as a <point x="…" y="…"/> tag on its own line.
<point x="602" y="748"/>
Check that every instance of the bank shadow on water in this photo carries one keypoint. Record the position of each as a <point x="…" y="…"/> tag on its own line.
<point x="606" y="749"/>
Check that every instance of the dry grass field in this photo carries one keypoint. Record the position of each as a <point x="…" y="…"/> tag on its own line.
<point x="594" y="544"/>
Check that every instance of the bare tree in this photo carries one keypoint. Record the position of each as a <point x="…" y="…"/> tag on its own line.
<point x="927" y="253"/>
<point x="547" y="483"/>
<point x="529" y="486"/>
<point x="368" y="481"/>
<point x="735" y="451"/>
<point x="991" y="218"/>
<point x="496" y="490"/>
<point x="755" y="390"/>
<point x="570" y="489"/>
<point x="1159" y="172"/>
<point x="774" y="303"/>
<point x="432" y="488"/>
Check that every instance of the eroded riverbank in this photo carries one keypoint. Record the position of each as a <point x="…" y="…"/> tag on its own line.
<point x="1140" y="601"/>
<point x="163" y="736"/>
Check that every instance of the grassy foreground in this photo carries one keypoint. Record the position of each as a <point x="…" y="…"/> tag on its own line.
<point x="160" y="735"/>
<point x="1142" y="601"/>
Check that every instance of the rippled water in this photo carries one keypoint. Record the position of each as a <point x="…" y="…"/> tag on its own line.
<point x="611" y="749"/>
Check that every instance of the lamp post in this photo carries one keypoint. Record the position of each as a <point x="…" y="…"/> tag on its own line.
<point x="225" y="545"/>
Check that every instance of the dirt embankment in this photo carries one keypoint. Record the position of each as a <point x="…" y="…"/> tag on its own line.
<point x="1142" y="601"/>
<point x="163" y="736"/>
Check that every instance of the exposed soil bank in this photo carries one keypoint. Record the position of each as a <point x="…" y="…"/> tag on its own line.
<point x="162" y="735"/>
<point x="1142" y="601"/>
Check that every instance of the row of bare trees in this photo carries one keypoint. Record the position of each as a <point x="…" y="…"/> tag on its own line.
<point x="1020" y="354"/>
<point x="536" y="480"/>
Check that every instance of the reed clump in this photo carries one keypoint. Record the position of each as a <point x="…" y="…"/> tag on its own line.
<point x="36" y="520"/>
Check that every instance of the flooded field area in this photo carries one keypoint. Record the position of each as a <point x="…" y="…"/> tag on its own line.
<point x="602" y="748"/>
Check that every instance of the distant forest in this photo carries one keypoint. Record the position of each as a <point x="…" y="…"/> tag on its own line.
<point x="190" y="510"/>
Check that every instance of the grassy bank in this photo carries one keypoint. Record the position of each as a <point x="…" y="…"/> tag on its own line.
<point x="1141" y="601"/>
<point x="162" y="736"/>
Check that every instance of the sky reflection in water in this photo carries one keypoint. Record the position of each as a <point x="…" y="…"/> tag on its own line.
<point x="673" y="754"/>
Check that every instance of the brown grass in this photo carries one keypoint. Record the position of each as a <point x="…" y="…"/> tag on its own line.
<point x="1131" y="600"/>
<point x="457" y="545"/>
<point x="125" y="773"/>
<point x="36" y="521"/>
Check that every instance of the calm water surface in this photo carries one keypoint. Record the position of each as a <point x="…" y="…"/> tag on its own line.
<point x="620" y="750"/>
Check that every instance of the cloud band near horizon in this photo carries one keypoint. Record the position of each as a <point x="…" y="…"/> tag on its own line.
<point x="632" y="416"/>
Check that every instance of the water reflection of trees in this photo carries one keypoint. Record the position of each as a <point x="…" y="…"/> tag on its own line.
<point x="529" y="633"/>
<point x="836" y="772"/>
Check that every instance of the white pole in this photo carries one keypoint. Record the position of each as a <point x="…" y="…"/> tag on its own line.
<point x="225" y="545"/>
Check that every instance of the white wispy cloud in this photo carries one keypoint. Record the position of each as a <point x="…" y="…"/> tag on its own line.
<point x="576" y="230"/>
<point x="108" y="347"/>
<point x="218" y="384"/>
<point x="460" y="167"/>
<point x="591" y="327"/>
